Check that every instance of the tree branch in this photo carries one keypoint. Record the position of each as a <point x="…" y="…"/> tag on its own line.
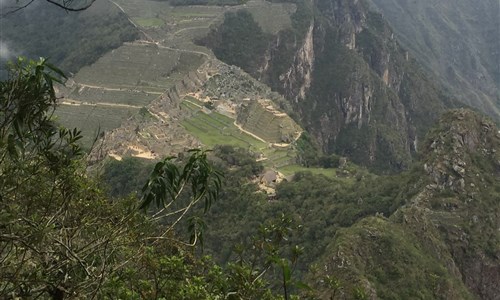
<point x="66" y="5"/>
<point x="17" y="9"/>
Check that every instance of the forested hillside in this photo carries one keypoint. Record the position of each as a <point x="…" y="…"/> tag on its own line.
<point x="70" y="40"/>
<point x="62" y="238"/>
<point x="430" y="230"/>
<point x="251" y="150"/>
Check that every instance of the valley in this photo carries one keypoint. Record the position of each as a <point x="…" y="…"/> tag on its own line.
<point x="357" y="93"/>
<point x="251" y="150"/>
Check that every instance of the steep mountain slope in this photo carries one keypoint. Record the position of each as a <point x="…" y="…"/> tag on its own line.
<point x="457" y="41"/>
<point x="444" y="242"/>
<point x="69" y="40"/>
<point x="355" y="89"/>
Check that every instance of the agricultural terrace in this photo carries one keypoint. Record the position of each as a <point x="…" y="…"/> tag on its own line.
<point x="132" y="75"/>
<point x="92" y="119"/>
<point x="179" y="25"/>
<point x="212" y="128"/>
<point x="144" y="66"/>
<point x="271" y="17"/>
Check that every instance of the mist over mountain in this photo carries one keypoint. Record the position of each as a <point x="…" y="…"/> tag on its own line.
<point x="455" y="40"/>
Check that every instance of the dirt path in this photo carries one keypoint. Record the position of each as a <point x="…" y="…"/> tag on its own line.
<point x="159" y="45"/>
<point x="195" y="104"/>
<point x="132" y="22"/>
<point x="98" y="87"/>
<point x="72" y="102"/>
<point x="150" y="40"/>
<point x="191" y="28"/>
<point x="249" y="133"/>
<point x="131" y="88"/>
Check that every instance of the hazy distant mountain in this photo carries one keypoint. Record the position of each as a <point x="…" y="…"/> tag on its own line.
<point x="458" y="40"/>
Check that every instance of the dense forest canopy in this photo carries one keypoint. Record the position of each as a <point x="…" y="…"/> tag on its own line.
<point x="63" y="238"/>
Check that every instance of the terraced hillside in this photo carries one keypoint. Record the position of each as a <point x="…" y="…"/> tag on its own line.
<point x="136" y="95"/>
<point x="213" y="128"/>
<point x="264" y="119"/>
<point x="130" y="77"/>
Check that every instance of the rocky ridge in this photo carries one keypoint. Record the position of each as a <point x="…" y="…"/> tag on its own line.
<point x="447" y="234"/>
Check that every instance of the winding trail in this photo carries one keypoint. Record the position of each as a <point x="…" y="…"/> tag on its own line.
<point x="150" y="40"/>
<point x="159" y="45"/>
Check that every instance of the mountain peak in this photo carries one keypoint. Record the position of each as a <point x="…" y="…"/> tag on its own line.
<point x="464" y="146"/>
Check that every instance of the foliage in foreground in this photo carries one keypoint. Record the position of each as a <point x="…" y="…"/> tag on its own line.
<point x="61" y="237"/>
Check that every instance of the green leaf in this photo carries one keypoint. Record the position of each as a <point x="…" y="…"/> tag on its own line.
<point x="287" y="272"/>
<point x="303" y="286"/>
<point x="56" y="70"/>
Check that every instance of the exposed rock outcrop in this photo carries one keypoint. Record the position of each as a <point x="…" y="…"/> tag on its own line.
<point x="297" y="80"/>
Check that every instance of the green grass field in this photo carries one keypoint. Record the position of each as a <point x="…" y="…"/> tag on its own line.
<point x="148" y="22"/>
<point x="131" y="66"/>
<point x="216" y="129"/>
<point x="272" y="17"/>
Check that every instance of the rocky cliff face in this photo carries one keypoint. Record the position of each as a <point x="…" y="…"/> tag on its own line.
<point x="444" y="242"/>
<point x="462" y="159"/>
<point x="297" y="79"/>
<point x="351" y="84"/>
<point x="356" y="90"/>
